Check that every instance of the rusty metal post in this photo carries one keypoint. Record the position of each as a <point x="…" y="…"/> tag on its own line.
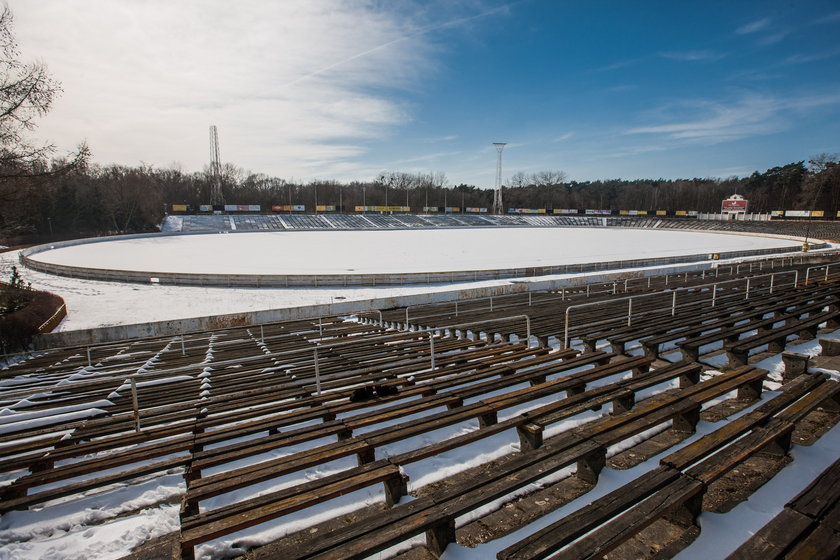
<point x="135" y="404"/>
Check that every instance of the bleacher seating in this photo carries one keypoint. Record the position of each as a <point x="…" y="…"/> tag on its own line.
<point x="238" y="412"/>
<point x="266" y="222"/>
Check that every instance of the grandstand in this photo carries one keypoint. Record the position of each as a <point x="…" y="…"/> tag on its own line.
<point x="261" y="222"/>
<point x="604" y="419"/>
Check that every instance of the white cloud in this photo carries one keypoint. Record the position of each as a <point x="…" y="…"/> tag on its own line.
<point x="564" y="137"/>
<point x="711" y="122"/>
<point x="753" y="26"/>
<point x="691" y="56"/>
<point x="437" y="139"/>
<point x="295" y="87"/>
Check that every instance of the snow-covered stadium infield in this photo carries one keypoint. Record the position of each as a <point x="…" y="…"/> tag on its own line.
<point x="402" y="252"/>
<point x="93" y="303"/>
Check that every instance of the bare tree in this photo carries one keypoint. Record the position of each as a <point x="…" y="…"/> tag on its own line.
<point x="26" y="92"/>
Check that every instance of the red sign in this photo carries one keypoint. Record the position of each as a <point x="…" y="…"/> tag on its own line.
<point x="737" y="205"/>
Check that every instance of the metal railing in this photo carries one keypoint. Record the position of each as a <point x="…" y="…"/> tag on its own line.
<point x="694" y="289"/>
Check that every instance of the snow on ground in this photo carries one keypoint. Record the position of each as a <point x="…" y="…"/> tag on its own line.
<point x="92" y="303"/>
<point x="426" y="250"/>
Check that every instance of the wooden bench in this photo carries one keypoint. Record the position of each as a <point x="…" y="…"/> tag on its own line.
<point x="807" y="528"/>
<point x="691" y="347"/>
<point x="738" y="353"/>
<point x="202" y="527"/>
<point x="675" y="489"/>
<point x="726" y="317"/>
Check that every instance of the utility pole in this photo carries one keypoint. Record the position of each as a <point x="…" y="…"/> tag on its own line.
<point x="498" y="208"/>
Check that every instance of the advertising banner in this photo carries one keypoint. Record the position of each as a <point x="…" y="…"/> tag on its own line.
<point x="474" y="210"/>
<point x="598" y="212"/>
<point x="661" y="212"/>
<point x="682" y="213"/>
<point x="526" y="210"/>
<point x="565" y="211"/>
<point x="230" y="207"/>
<point x="452" y="209"/>
<point x="777" y="213"/>
<point x="734" y="205"/>
<point x="179" y="207"/>
<point x="324" y="208"/>
<point x="206" y="207"/>
<point x="817" y="213"/>
<point x="693" y="213"/>
<point x="381" y="208"/>
<point x="797" y="213"/>
<point x="287" y="208"/>
<point x="430" y="209"/>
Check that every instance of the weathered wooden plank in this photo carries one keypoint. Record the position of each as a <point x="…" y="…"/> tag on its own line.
<point x="611" y="534"/>
<point x="545" y="542"/>
<point x="722" y="462"/>
<point x="774" y="539"/>
<point x="220" y="483"/>
<point x="821" y="495"/>
<point x="246" y="514"/>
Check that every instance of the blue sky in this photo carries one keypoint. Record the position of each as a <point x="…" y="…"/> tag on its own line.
<point x="346" y="90"/>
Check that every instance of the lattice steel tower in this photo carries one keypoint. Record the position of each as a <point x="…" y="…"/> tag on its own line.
<point x="497" y="195"/>
<point x="215" y="167"/>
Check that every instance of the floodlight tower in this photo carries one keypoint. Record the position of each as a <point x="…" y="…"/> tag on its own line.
<point x="215" y="167"/>
<point x="497" y="195"/>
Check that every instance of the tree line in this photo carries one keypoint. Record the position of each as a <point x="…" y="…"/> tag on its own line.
<point x="116" y="199"/>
